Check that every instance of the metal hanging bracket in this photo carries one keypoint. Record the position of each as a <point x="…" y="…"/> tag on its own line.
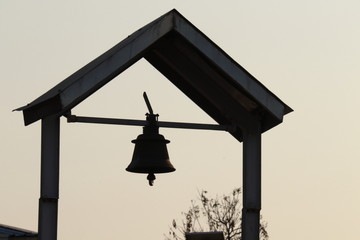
<point x="131" y="122"/>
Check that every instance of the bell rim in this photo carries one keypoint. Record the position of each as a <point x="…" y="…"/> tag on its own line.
<point x="147" y="171"/>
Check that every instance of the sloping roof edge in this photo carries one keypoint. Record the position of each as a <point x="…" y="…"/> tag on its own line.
<point x="98" y="72"/>
<point x="84" y="82"/>
<point x="239" y="74"/>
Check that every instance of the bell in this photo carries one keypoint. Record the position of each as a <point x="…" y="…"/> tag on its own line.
<point x="150" y="153"/>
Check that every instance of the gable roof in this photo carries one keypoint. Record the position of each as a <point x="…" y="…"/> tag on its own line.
<point x="189" y="59"/>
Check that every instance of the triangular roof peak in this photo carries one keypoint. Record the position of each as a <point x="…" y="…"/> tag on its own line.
<point x="189" y="59"/>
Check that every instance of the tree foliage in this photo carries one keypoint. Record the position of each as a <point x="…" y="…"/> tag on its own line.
<point x="210" y="214"/>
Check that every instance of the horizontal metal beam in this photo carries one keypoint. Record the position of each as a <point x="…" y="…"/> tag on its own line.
<point x="131" y="122"/>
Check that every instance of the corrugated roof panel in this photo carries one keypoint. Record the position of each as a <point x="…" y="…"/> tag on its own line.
<point x="9" y="231"/>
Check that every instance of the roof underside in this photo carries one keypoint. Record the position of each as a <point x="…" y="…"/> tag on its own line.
<point x="190" y="60"/>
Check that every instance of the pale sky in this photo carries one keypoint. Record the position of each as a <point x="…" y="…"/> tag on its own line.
<point x="306" y="52"/>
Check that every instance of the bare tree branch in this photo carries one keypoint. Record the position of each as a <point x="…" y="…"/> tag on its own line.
<point x="213" y="214"/>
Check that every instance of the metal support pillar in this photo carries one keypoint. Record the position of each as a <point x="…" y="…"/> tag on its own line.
<point x="251" y="184"/>
<point x="49" y="186"/>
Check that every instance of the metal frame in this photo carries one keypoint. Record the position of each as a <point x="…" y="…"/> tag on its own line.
<point x="132" y="122"/>
<point x="251" y="163"/>
<point x="50" y="140"/>
<point x="49" y="184"/>
<point x="195" y="65"/>
<point x="251" y="183"/>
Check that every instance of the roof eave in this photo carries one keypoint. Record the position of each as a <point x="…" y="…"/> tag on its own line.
<point x="237" y="73"/>
<point x="247" y="96"/>
<point x="100" y="71"/>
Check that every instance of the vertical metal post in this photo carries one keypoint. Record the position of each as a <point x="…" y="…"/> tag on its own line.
<point x="49" y="186"/>
<point x="251" y="184"/>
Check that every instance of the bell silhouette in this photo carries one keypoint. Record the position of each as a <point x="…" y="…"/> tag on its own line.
<point x="150" y="153"/>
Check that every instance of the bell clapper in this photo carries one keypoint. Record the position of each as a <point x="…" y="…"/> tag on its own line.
<point x="151" y="177"/>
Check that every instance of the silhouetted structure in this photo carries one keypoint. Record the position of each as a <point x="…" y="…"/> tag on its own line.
<point x="195" y="65"/>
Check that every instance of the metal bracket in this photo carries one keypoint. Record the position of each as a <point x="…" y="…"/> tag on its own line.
<point x="132" y="122"/>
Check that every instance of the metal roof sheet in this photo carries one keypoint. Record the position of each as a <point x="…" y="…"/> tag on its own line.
<point x="189" y="59"/>
<point x="9" y="231"/>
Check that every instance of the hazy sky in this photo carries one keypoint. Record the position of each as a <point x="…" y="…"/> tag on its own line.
<point x="306" y="52"/>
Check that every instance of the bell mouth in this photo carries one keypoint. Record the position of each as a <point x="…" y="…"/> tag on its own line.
<point x="146" y="170"/>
